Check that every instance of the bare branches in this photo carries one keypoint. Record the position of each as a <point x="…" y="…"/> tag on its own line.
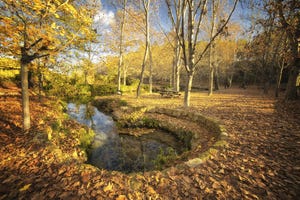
<point x="218" y="33"/>
<point x="203" y="12"/>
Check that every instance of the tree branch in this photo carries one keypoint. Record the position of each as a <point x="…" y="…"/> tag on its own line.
<point x="35" y="43"/>
<point x="200" y="20"/>
<point x="217" y="34"/>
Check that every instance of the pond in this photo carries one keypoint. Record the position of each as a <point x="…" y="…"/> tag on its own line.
<point x="123" y="152"/>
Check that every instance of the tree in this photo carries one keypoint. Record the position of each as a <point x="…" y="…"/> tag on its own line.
<point x="195" y="12"/>
<point x="284" y="17"/>
<point x="146" y="8"/>
<point x="215" y="6"/>
<point x="123" y="4"/>
<point x="289" y="17"/>
<point x="36" y="29"/>
<point x="176" y="23"/>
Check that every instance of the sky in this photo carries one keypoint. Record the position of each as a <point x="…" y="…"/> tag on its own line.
<point x="106" y="17"/>
<point x="107" y="14"/>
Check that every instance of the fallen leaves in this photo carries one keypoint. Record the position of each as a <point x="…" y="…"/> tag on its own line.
<point x="108" y="188"/>
<point x="26" y="187"/>
<point x="259" y="163"/>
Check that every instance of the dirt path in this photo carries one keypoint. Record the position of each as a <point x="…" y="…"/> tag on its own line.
<point x="261" y="162"/>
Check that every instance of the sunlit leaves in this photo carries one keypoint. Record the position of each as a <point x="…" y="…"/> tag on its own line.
<point x="58" y="23"/>
<point x="26" y="187"/>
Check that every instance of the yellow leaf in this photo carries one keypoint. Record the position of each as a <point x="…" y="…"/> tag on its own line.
<point x="53" y="25"/>
<point x="109" y="187"/>
<point x="121" y="197"/>
<point x="26" y="187"/>
<point x="56" y="15"/>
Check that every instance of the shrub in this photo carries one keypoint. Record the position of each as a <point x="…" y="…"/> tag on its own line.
<point x="102" y="90"/>
<point x="86" y="137"/>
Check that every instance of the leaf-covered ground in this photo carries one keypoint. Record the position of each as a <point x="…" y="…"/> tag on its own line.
<point x="262" y="160"/>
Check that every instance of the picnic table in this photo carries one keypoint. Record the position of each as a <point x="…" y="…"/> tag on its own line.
<point x="169" y="93"/>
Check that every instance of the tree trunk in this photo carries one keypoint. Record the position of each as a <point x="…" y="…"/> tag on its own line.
<point x="216" y="78"/>
<point x="279" y="76"/>
<point x="291" y="89"/>
<point x="293" y="36"/>
<point x="138" y="91"/>
<point x="173" y="76"/>
<point x="177" y="67"/>
<point x="25" y="96"/>
<point x="188" y="88"/>
<point x="211" y="79"/>
<point x="124" y="75"/>
<point x="121" y="46"/>
<point x="150" y="69"/>
<point x="119" y="71"/>
<point x="146" y="9"/>
<point x="40" y="81"/>
<point x="211" y="49"/>
<point x="177" y="89"/>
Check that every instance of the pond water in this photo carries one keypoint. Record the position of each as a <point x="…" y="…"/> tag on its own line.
<point x="113" y="151"/>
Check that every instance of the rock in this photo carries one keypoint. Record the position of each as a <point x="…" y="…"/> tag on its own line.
<point x="194" y="162"/>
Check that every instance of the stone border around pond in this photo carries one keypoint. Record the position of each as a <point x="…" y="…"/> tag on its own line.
<point x="212" y="125"/>
<point x="219" y="132"/>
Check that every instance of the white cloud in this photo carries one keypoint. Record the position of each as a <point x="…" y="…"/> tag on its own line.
<point x="105" y="18"/>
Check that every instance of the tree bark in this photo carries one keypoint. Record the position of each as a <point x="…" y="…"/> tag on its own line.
<point x="146" y="9"/>
<point x="25" y="96"/>
<point x="216" y="78"/>
<point x="211" y="79"/>
<point x="150" y="69"/>
<point x="188" y="88"/>
<point x="291" y="89"/>
<point x="40" y="81"/>
<point x="177" y="67"/>
<point x="138" y="92"/>
<point x="211" y="50"/>
<point x="293" y="36"/>
<point x="121" y="45"/>
<point x="279" y="76"/>
<point x="124" y="75"/>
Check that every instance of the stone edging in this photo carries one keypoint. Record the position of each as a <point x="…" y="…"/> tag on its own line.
<point x="212" y="125"/>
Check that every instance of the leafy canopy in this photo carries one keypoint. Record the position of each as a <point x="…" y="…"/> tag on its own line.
<point x="41" y="27"/>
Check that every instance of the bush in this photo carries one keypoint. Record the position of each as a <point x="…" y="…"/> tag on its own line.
<point x="105" y="89"/>
<point x="86" y="138"/>
<point x="131" y="85"/>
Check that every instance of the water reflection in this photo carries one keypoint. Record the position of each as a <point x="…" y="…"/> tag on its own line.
<point x="122" y="152"/>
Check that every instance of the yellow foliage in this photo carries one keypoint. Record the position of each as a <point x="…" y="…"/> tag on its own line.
<point x="26" y="187"/>
<point x="109" y="187"/>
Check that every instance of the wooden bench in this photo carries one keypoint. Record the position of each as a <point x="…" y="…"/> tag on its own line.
<point x="169" y="93"/>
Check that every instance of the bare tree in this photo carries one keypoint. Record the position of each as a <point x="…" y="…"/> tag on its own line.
<point x="215" y="5"/>
<point x="124" y="2"/>
<point x="192" y="13"/>
<point x="176" y="23"/>
<point x="146" y="8"/>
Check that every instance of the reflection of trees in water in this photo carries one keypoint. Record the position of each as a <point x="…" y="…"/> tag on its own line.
<point x="124" y="152"/>
<point x="86" y="112"/>
<point x="89" y="113"/>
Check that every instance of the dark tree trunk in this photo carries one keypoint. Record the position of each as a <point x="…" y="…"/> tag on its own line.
<point x="216" y="78"/>
<point x="40" y="81"/>
<point x="291" y="89"/>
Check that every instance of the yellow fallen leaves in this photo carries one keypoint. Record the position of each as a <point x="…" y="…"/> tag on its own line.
<point x="121" y="197"/>
<point x="109" y="187"/>
<point x="26" y="187"/>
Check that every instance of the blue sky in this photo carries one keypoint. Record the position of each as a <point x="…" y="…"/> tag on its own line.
<point x="106" y="15"/>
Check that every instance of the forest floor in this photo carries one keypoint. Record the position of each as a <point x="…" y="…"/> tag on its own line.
<point x="262" y="160"/>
